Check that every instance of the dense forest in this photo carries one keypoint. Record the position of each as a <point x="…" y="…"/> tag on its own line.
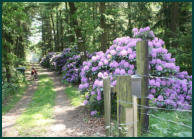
<point x="92" y="27"/>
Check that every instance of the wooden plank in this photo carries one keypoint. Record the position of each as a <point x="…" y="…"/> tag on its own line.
<point x="129" y="122"/>
<point x="135" y="118"/>
<point x="142" y="57"/>
<point x="128" y="96"/>
<point x="107" y="105"/>
<point x="118" y="102"/>
<point x="124" y="106"/>
<point x="142" y="70"/>
<point x="125" y="94"/>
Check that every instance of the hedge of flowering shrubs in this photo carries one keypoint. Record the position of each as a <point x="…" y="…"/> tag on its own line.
<point x="120" y="59"/>
<point x="72" y="68"/>
<point x="56" y="61"/>
<point x="53" y="63"/>
<point x="45" y="61"/>
<point x="68" y="62"/>
<point x="61" y="59"/>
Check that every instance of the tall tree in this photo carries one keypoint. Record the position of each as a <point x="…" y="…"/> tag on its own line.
<point x="15" y="32"/>
<point x="104" y="36"/>
<point x="79" y="35"/>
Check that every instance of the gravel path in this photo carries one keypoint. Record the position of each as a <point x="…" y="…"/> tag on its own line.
<point x="68" y="121"/>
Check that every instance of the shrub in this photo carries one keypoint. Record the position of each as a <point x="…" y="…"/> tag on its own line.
<point x="72" y="68"/>
<point x="45" y="61"/>
<point x="120" y="59"/>
<point x="10" y="88"/>
<point x="58" y="61"/>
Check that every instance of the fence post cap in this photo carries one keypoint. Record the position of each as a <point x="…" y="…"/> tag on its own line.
<point x="136" y="76"/>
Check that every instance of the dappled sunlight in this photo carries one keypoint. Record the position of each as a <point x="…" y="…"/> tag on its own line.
<point x="40" y="111"/>
<point x="37" y="116"/>
<point x="57" y="57"/>
<point x="58" y="89"/>
<point x="58" y="127"/>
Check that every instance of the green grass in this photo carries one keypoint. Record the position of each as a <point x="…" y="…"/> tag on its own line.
<point x="13" y="99"/>
<point x="165" y="128"/>
<point x="74" y="95"/>
<point x="39" y="113"/>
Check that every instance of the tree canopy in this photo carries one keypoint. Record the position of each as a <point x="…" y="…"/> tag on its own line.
<point x="92" y="26"/>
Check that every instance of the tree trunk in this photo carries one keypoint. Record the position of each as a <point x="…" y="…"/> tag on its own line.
<point x="93" y="16"/>
<point x="21" y="48"/>
<point x="174" y="22"/>
<point x="61" y="31"/>
<point x="57" y="29"/>
<point x="43" y="35"/>
<point x="103" y="26"/>
<point x="6" y="59"/>
<point x="49" y="34"/>
<point x="129" y="19"/>
<point x="54" y="32"/>
<point x="74" y="23"/>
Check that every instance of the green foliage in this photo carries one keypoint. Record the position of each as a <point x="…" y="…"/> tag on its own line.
<point x="73" y="95"/>
<point x="10" y="89"/>
<point x="166" y="128"/>
<point x="58" y="30"/>
<point x="10" y="97"/>
<point x="16" y="20"/>
<point x="174" y="24"/>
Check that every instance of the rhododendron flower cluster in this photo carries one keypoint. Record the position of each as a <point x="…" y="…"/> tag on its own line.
<point x="143" y="33"/>
<point x="72" y="68"/>
<point x="168" y="86"/>
<point x="53" y="63"/>
<point x="45" y="61"/>
<point x="56" y="61"/>
<point x="61" y="59"/>
<point x="69" y="62"/>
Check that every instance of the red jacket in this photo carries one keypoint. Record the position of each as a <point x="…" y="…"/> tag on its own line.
<point x="33" y="72"/>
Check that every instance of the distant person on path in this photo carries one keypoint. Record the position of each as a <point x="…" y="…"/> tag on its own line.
<point x="34" y="74"/>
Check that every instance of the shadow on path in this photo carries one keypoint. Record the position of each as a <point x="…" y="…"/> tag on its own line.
<point x="9" y="119"/>
<point x="69" y="120"/>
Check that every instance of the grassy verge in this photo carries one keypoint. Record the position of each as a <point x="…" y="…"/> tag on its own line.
<point x="74" y="95"/>
<point x="39" y="113"/>
<point x="13" y="99"/>
<point x="166" y="128"/>
<point x="15" y="95"/>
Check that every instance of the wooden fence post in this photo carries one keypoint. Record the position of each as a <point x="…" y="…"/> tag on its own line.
<point x="135" y="117"/>
<point x="142" y="70"/>
<point x="124" y="105"/>
<point x="107" y="105"/>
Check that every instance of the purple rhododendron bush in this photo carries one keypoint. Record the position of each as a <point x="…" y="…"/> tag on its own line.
<point x="56" y="60"/>
<point x="68" y="62"/>
<point x="72" y="68"/>
<point x="168" y="87"/>
<point x="45" y="61"/>
<point x="60" y="60"/>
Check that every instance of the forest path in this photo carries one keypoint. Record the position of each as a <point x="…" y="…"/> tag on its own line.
<point x="9" y="119"/>
<point x="68" y="120"/>
<point x="71" y="121"/>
